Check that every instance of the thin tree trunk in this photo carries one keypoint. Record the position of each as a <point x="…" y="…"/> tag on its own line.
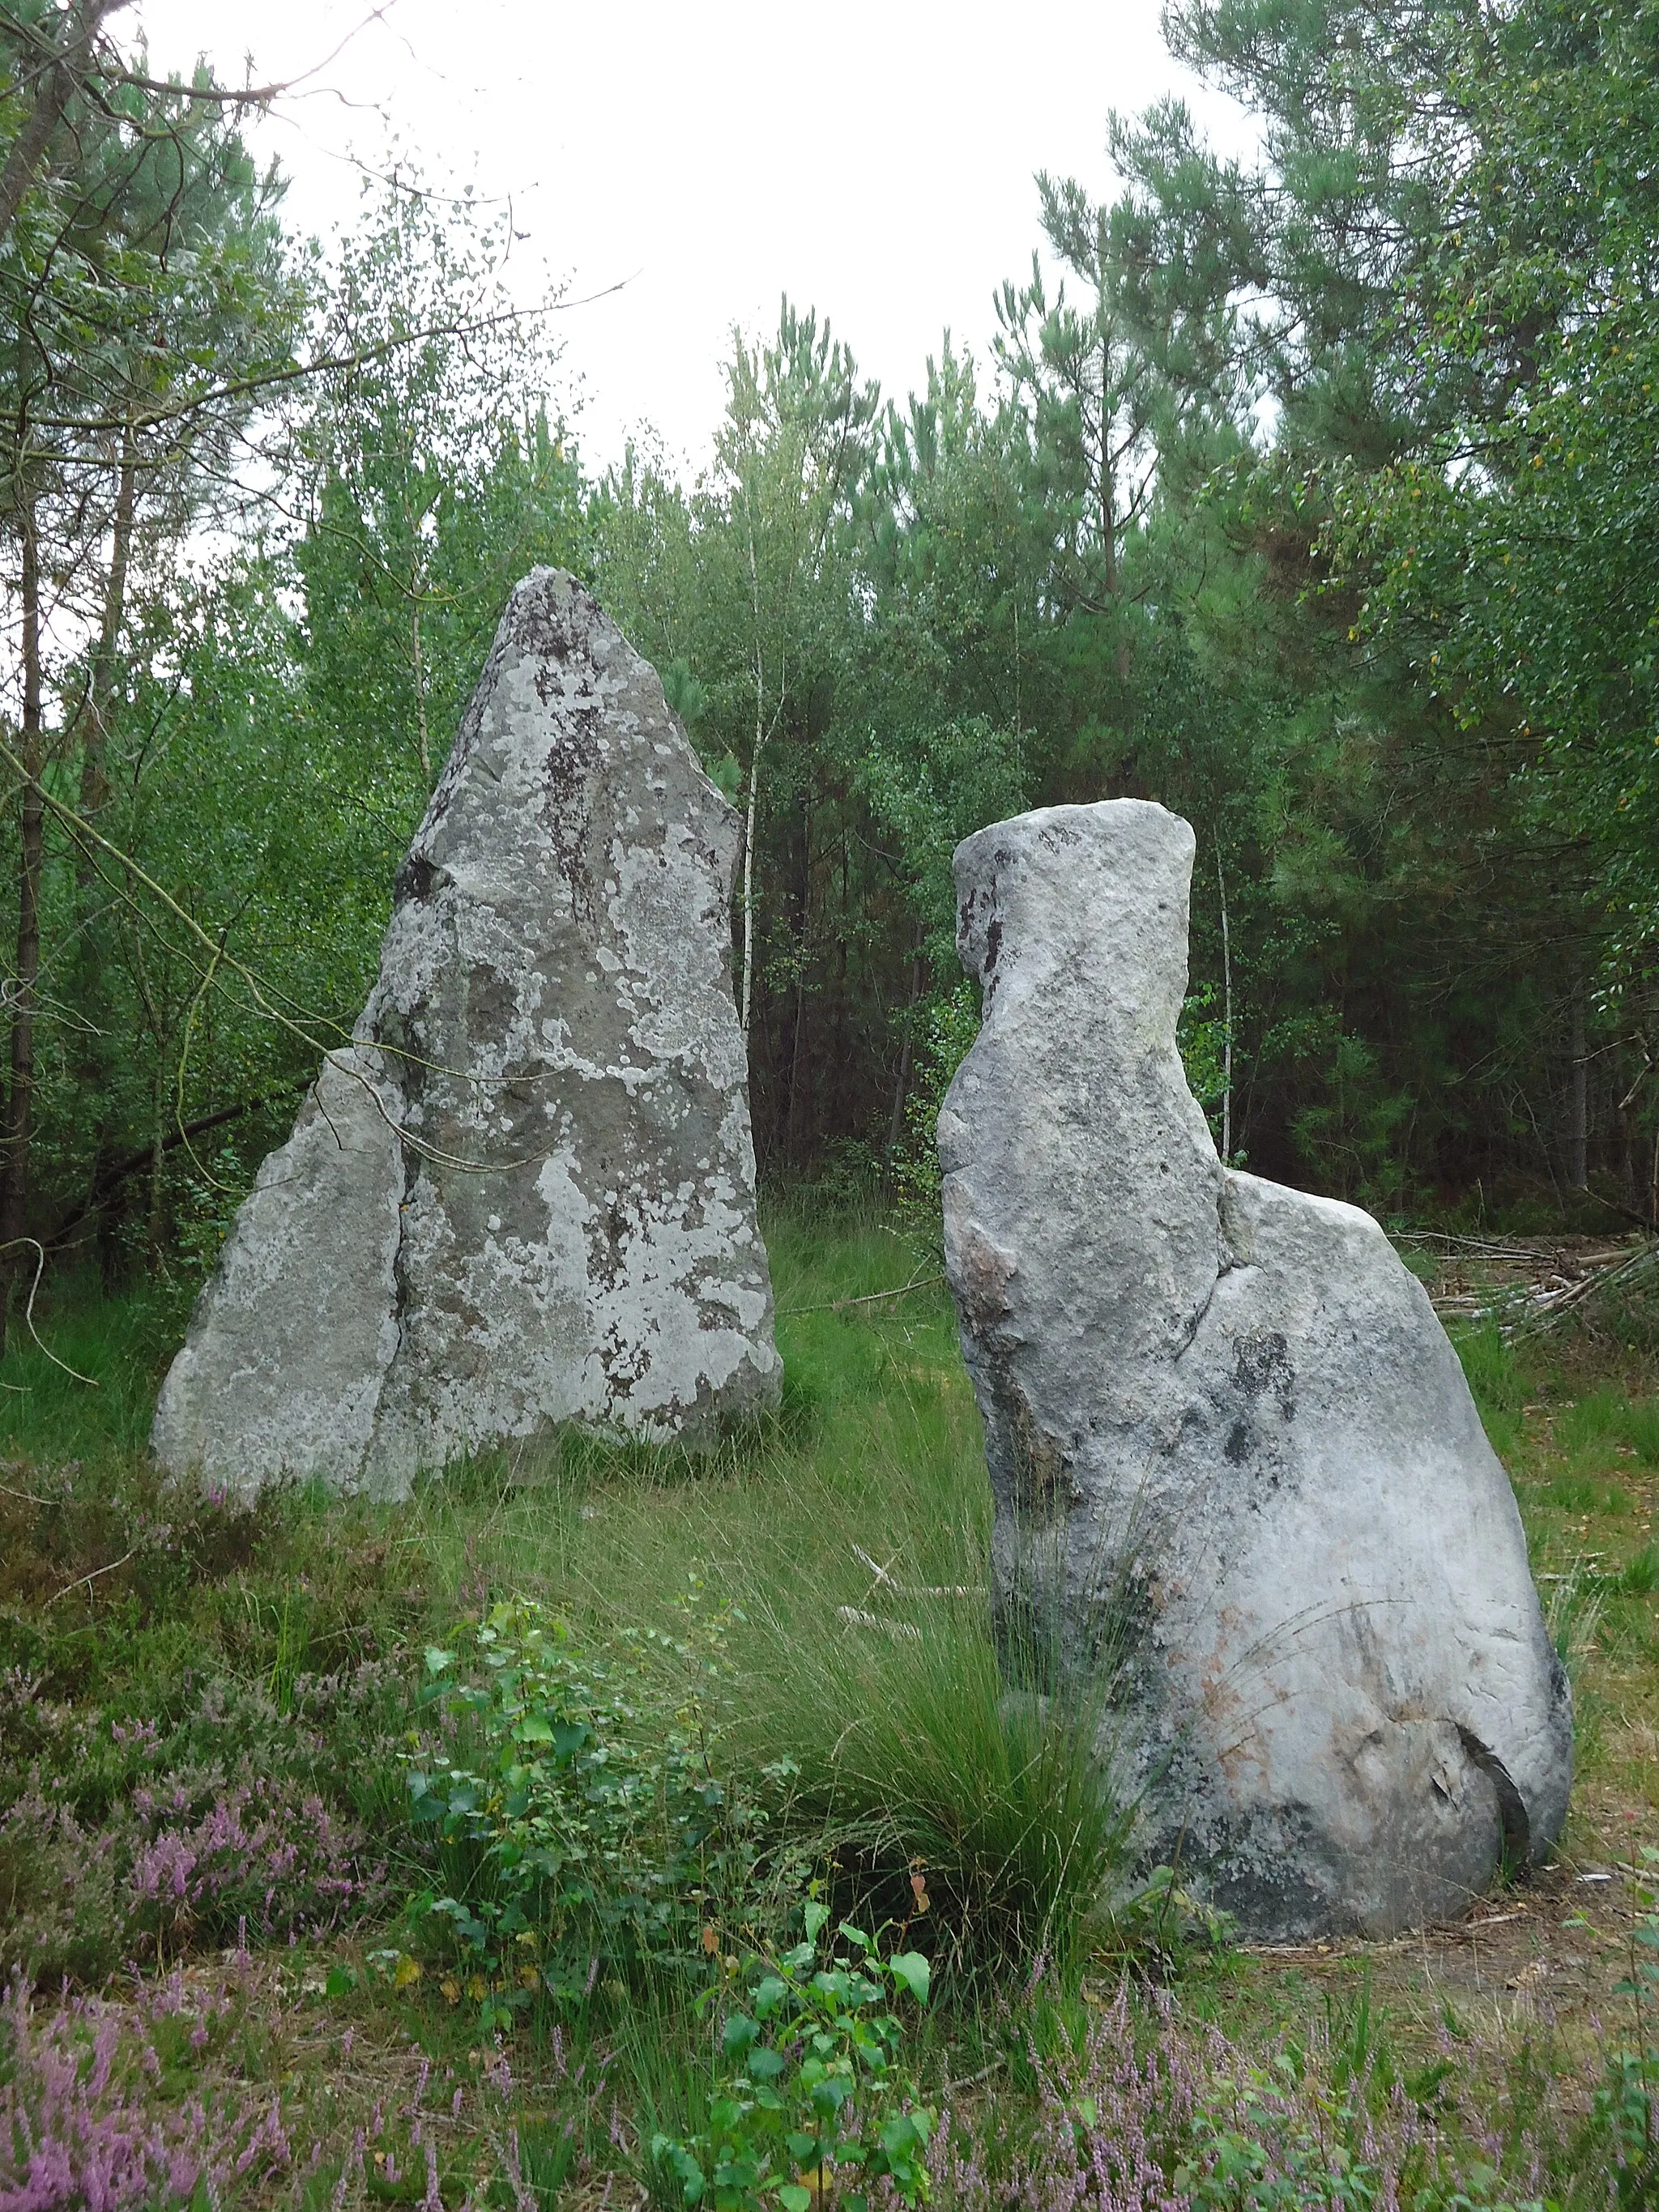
<point x="94" y="750"/>
<point x="896" y="1119"/>
<point x="749" y="848"/>
<point x="420" y="697"/>
<point x="803" y="924"/>
<point x="1108" y="509"/>
<point x="1226" y="1016"/>
<point x="157" y="1162"/>
<point x="89" y="995"/>
<point x="1018" y="725"/>
<point x="56" y="83"/>
<point x="1579" y="1126"/>
<point x="19" y="1102"/>
<point x="158" y="1147"/>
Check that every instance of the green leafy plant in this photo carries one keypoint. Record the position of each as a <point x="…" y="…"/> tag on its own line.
<point x="1160" y="1925"/>
<point x="945" y="1036"/>
<point x="1624" y="2104"/>
<point x="816" y="2089"/>
<point x="607" y="1834"/>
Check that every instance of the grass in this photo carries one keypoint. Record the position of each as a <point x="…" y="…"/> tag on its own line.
<point x="848" y="1538"/>
<point x="1578" y="1416"/>
<point x="153" y="1645"/>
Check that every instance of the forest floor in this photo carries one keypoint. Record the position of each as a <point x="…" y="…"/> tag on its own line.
<point x="209" y="1870"/>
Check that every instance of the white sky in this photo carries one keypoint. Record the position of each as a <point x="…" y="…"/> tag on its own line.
<point x="873" y="158"/>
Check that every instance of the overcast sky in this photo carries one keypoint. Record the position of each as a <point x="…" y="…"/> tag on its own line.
<point x="874" y="159"/>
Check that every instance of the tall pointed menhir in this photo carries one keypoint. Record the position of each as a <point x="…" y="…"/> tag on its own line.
<point x="1227" y="1440"/>
<point x="525" y="1194"/>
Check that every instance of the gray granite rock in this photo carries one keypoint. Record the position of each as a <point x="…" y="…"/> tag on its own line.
<point x="1235" y="1465"/>
<point x="525" y="1196"/>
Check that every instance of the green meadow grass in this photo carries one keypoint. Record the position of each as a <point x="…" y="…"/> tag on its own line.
<point x="848" y="1536"/>
<point x="843" y="1544"/>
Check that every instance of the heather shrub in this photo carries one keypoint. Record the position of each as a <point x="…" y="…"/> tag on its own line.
<point x="59" y="1913"/>
<point x="149" y="1543"/>
<point x="187" y="2094"/>
<point x="338" y="1735"/>
<point x="82" y="2123"/>
<point x="1164" y="2114"/>
<point x="131" y="1840"/>
<point x="170" y="1870"/>
<point x="276" y="1861"/>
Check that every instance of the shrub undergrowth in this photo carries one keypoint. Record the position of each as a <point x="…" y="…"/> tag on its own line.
<point x="540" y="1775"/>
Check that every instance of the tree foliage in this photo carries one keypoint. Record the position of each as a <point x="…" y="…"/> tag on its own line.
<point x="1309" y="492"/>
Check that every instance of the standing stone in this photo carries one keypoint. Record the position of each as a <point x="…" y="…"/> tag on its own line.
<point x="1233" y="1455"/>
<point x="525" y="1194"/>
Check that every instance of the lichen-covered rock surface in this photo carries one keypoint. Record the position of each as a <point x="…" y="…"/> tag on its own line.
<point x="1235" y="1465"/>
<point x="524" y="1195"/>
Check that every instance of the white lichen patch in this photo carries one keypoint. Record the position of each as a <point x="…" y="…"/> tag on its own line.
<point x="545" y="1210"/>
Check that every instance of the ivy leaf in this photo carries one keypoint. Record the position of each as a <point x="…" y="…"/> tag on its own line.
<point x="914" y="1971"/>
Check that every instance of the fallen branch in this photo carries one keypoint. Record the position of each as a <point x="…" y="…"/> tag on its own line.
<point x="902" y="1632"/>
<point x="913" y="1589"/>
<point x="81" y="1582"/>
<point x="870" y="1299"/>
<point x="114" y="1175"/>
<point x="1527" y="1308"/>
<point x="972" y="2081"/>
<point x="1484" y="1247"/>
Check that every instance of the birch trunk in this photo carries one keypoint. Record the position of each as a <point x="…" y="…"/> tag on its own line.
<point x="19" y="1102"/>
<point x="749" y="851"/>
<point x="1226" y="1016"/>
<point x="1578" y="1126"/>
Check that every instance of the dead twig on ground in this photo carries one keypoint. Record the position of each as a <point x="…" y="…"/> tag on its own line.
<point x="869" y="1298"/>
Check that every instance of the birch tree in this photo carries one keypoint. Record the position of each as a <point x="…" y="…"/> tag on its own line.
<point x="794" y="448"/>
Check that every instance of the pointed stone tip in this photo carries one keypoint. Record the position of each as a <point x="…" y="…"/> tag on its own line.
<point x="552" y="1217"/>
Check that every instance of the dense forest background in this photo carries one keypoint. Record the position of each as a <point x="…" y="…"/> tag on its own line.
<point x="1315" y="495"/>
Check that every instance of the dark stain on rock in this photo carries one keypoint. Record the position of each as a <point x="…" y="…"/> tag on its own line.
<point x="1040" y="1490"/>
<point x="417" y="879"/>
<point x="569" y="775"/>
<point x="1262" y="1364"/>
<point x="491" y="1005"/>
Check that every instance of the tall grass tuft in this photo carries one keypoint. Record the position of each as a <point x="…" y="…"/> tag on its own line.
<point x="851" y="1540"/>
<point x="928" y="1780"/>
